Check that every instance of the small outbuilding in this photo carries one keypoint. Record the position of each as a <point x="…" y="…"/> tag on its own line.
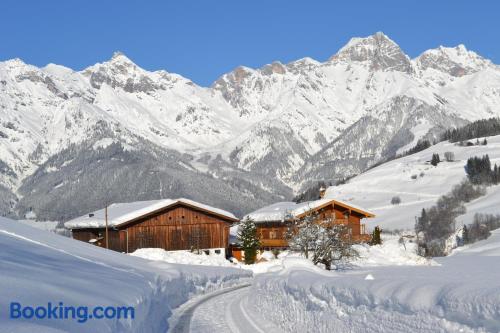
<point x="170" y="224"/>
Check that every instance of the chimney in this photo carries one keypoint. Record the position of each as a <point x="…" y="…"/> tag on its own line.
<point x="322" y="191"/>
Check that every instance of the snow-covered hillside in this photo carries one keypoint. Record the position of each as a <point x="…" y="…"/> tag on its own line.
<point x="38" y="267"/>
<point x="418" y="184"/>
<point x="257" y="132"/>
<point x="461" y="294"/>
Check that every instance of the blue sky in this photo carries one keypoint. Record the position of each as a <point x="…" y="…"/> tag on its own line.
<point x="204" y="39"/>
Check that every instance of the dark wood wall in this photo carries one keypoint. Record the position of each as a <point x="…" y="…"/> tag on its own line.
<point x="176" y="228"/>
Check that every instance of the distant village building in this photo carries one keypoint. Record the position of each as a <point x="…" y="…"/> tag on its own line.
<point x="272" y="220"/>
<point x="178" y="224"/>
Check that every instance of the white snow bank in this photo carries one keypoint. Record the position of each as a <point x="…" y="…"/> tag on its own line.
<point x="183" y="257"/>
<point x="390" y="252"/>
<point x="462" y="294"/>
<point x="487" y="247"/>
<point x="39" y="267"/>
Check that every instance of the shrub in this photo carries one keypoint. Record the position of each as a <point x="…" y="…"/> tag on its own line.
<point x="376" y="239"/>
<point x="396" y="200"/>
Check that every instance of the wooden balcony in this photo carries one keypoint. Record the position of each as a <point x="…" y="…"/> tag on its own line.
<point x="273" y="243"/>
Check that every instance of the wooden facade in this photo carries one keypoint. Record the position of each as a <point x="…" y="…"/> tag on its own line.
<point x="272" y="234"/>
<point x="177" y="227"/>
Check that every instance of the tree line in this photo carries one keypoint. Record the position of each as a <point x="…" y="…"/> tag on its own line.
<point x="479" y="171"/>
<point x="476" y="129"/>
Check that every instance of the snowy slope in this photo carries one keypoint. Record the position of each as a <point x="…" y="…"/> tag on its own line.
<point x="459" y="295"/>
<point x="276" y="127"/>
<point x="374" y="189"/>
<point x="40" y="267"/>
<point x="487" y="247"/>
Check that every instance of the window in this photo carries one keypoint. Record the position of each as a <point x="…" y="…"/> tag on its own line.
<point x="273" y="234"/>
<point x="217" y="251"/>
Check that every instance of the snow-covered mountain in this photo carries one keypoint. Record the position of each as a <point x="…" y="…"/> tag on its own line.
<point x="249" y="139"/>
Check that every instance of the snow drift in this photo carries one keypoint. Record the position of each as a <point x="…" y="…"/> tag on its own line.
<point x="39" y="267"/>
<point x="462" y="294"/>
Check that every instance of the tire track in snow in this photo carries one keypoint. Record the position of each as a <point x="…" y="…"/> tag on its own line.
<point x="222" y="311"/>
<point x="182" y="324"/>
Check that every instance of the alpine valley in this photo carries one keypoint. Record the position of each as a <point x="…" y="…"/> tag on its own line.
<point x="72" y="140"/>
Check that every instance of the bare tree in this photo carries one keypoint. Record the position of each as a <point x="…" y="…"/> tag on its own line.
<point x="328" y="243"/>
<point x="449" y="156"/>
<point x="302" y="233"/>
<point x="333" y="246"/>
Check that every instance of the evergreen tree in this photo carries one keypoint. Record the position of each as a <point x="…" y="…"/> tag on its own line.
<point x="422" y="221"/>
<point x="435" y="159"/>
<point x="479" y="171"/>
<point x="485" y="142"/>
<point x="465" y="235"/>
<point x="376" y="240"/>
<point x="249" y="240"/>
<point x="477" y="129"/>
<point x="496" y="175"/>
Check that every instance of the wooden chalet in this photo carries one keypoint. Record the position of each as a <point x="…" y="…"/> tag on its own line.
<point x="179" y="224"/>
<point x="272" y="221"/>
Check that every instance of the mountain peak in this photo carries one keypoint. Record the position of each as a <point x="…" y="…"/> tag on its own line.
<point x="455" y="61"/>
<point x="378" y="51"/>
<point x="120" y="58"/>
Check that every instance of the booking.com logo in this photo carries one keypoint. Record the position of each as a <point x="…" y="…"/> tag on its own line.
<point x="78" y="313"/>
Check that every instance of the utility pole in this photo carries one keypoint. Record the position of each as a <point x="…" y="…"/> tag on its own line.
<point x="106" y="218"/>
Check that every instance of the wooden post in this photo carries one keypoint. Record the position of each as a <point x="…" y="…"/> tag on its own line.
<point x="106" y="231"/>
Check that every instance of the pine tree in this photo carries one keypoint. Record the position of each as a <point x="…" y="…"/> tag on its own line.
<point x="485" y="142"/>
<point x="496" y="175"/>
<point x="465" y="235"/>
<point x="376" y="240"/>
<point x="422" y="222"/>
<point x="435" y="159"/>
<point x="249" y="240"/>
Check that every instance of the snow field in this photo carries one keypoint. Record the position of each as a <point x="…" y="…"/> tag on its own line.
<point x="374" y="189"/>
<point x="460" y="293"/>
<point x="38" y="267"/>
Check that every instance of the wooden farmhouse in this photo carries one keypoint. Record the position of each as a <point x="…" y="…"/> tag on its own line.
<point x="179" y="224"/>
<point x="271" y="221"/>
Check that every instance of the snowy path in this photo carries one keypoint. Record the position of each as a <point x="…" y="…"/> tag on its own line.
<point x="222" y="311"/>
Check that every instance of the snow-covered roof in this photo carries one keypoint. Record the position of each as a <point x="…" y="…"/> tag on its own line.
<point x="120" y="213"/>
<point x="279" y="210"/>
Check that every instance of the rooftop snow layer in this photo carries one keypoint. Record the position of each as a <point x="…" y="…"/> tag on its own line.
<point x="119" y="213"/>
<point x="278" y="211"/>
